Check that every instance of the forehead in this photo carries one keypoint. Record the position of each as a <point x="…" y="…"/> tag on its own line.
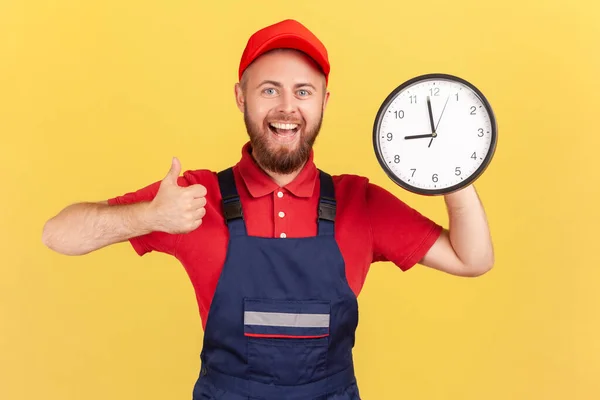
<point x="286" y="66"/>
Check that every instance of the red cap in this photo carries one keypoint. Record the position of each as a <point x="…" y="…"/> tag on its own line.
<point x="289" y="34"/>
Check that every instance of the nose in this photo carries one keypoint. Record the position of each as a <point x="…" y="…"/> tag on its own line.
<point x="287" y="104"/>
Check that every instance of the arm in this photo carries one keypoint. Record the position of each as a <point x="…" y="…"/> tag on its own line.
<point x="85" y="227"/>
<point x="465" y="249"/>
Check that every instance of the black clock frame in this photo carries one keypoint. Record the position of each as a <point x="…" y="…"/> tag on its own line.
<point x="464" y="183"/>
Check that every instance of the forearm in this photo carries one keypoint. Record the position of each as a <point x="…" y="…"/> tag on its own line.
<point x="84" y="227"/>
<point x="468" y="229"/>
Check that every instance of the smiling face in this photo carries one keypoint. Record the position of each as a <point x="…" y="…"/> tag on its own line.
<point x="283" y="96"/>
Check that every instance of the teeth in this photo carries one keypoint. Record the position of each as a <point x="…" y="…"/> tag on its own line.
<point x="283" y="126"/>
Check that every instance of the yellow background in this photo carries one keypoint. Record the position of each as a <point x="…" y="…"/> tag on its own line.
<point x="97" y="96"/>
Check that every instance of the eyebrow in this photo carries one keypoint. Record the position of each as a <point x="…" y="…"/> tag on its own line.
<point x="278" y="84"/>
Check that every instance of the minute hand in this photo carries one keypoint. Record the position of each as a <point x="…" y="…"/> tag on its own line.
<point x="430" y="115"/>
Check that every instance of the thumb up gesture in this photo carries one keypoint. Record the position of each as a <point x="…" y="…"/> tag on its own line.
<point x="178" y="209"/>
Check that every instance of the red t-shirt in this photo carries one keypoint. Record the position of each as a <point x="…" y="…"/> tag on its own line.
<point x="371" y="224"/>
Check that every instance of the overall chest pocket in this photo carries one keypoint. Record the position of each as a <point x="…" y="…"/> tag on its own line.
<point x="287" y="340"/>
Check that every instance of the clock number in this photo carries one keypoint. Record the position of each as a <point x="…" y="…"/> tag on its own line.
<point x="413" y="99"/>
<point x="434" y="178"/>
<point x="396" y="159"/>
<point x="399" y="114"/>
<point x="435" y="91"/>
<point x="473" y="109"/>
<point x="457" y="171"/>
<point x="480" y="132"/>
<point x="456" y="96"/>
<point x="390" y="136"/>
<point x="474" y="156"/>
<point x="413" y="170"/>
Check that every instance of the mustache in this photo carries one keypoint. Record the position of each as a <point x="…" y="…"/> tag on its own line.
<point x="285" y="119"/>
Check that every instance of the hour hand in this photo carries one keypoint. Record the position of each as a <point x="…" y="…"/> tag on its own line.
<point x="429" y="135"/>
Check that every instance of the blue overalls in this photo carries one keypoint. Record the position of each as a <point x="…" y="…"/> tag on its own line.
<point x="282" y="322"/>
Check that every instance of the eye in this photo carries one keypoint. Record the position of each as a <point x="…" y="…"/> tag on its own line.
<point x="269" y="91"/>
<point x="303" y="92"/>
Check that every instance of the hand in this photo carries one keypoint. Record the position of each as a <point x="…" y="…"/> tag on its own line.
<point x="443" y="109"/>
<point x="177" y="209"/>
<point x="434" y="128"/>
<point x="429" y="135"/>
<point x="430" y="121"/>
<point x="430" y="115"/>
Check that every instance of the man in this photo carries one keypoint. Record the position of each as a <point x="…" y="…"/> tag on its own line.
<point x="277" y="250"/>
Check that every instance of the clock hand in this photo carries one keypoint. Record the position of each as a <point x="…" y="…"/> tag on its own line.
<point x="430" y="115"/>
<point x="438" y="123"/>
<point x="431" y="135"/>
<point x="430" y="121"/>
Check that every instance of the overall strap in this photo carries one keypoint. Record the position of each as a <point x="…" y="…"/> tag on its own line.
<point x="231" y="204"/>
<point x="327" y="205"/>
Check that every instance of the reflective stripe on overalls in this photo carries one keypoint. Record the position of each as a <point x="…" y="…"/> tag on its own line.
<point x="282" y="320"/>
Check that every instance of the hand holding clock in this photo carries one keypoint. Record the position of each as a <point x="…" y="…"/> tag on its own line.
<point x="465" y="149"/>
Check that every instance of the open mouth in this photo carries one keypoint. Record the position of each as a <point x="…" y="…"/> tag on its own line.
<point x="284" y="131"/>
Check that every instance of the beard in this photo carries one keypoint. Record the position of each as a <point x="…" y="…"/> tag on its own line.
<point x="282" y="160"/>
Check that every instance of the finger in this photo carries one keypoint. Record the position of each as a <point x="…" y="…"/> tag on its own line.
<point x="197" y="191"/>
<point x="197" y="210"/>
<point x="174" y="172"/>
<point x="197" y="223"/>
<point x="199" y="202"/>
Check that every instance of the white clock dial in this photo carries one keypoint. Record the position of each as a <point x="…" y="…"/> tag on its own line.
<point x="440" y="154"/>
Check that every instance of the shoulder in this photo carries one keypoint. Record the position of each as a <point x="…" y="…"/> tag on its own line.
<point x="198" y="177"/>
<point x="357" y="186"/>
<point x="351" y="193"/>
<point x="350" y="184"/>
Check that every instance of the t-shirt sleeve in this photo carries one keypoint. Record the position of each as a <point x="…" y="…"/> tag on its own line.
<point x="154" y="241"/>
<point x="401" y="234"/>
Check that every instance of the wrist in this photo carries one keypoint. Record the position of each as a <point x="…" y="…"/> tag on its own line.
<point x="461" y="199"/>
<point x="147" y="218"/>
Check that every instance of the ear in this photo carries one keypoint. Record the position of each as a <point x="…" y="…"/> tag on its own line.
<point x="326" y="99"/>
<point x="239" y="96"/>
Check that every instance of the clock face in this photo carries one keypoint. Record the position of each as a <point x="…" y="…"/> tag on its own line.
<point x="434" y="134"/>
